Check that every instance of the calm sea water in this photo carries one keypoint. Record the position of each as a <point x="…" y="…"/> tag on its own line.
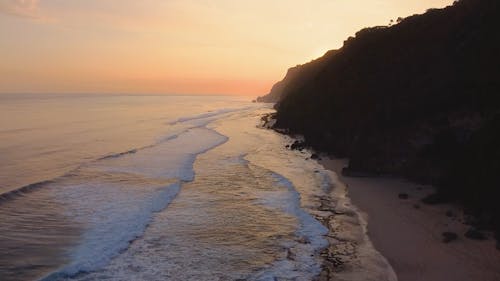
<point x="155" y="188"/>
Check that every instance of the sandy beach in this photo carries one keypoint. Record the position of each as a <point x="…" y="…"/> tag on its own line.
<point x="410" y="234"/>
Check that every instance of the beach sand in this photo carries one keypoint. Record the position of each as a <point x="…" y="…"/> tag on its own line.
<point x="409" y="233"/>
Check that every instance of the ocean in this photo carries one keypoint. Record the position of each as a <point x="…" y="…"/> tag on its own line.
<point x="134" y="187"/>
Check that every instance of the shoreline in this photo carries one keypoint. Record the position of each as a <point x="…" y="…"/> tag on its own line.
<point x="409" y="234"/>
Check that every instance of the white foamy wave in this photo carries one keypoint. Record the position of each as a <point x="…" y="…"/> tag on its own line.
<point x="302" y="262"/>
<point x="208" y="115"/>
<point x="118" y="215"/>
<point x="170" y="159"/>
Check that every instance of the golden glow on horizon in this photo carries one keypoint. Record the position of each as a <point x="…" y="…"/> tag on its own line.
<point x="175" y="46"/>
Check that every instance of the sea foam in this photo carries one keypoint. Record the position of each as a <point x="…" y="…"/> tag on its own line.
<point x="305" y="264"/>
<point x="117" y="213"/>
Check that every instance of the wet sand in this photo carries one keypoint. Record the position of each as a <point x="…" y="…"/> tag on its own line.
<point x="409" y="233"/>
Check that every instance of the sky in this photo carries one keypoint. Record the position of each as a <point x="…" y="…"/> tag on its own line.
<point x="175" y="46"/>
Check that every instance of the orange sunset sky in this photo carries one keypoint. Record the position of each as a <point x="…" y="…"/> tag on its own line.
<point x="175" y="46"/>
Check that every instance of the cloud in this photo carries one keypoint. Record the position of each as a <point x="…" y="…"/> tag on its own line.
<point x="20" y="8"/>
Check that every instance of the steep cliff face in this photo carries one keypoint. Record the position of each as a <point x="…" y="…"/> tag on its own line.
<point x="296" y="77"/>
<point x="419" y="99"/>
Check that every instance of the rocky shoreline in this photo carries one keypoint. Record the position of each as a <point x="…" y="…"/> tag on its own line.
<point x="477" y="226"/>
<point x="350" y="254"/>
<point x="456" y="228"/>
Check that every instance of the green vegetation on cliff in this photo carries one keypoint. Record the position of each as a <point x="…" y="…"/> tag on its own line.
<point x="419" y="99"/>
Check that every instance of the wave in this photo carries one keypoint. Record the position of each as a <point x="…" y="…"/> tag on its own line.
<point x="176" y="135"/>
<point x="119" y="154"/>
<point x="209" y="114"/>
<point x="166" y="160"/>
<point x="24" y="189"/>
<point x="117" y="213"/>
<point x="135" y="150"/>
<point x="169" y="137"/>
<point x="310" y="236"/>
<point x="113" y="234"/>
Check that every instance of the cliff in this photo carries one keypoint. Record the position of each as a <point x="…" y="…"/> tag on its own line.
<point x="419" y="99"/>
<point x="296" y="77"/>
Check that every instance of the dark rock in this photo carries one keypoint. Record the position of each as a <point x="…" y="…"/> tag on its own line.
<point x="416" y="206"/>
<point x="403" y="196"/>
<point x="297" y="145"/>
<point x="266" y="120"/>
<point x="314" y="156"/>
<point x="449" y="236"/>
<point x="475" y="234"/>
<point x="450" y="213"/>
